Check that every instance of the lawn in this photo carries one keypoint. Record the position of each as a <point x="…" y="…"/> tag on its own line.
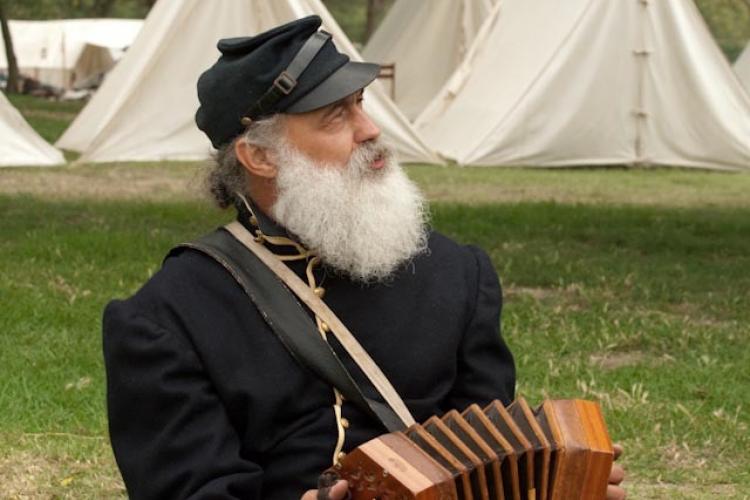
<point x="48" y="117"/>
<point x="630" y="287"/>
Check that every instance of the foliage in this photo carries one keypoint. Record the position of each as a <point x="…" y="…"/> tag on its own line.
<point x="351" y="16"/>
<point x="67" y="9"/>
<point x="49" y="118"/>
<point x="729" y="21"/>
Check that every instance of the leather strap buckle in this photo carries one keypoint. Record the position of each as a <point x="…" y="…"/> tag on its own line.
<point x="285" y="83"/>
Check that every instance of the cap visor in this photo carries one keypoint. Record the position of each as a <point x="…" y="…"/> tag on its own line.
<point x="348" y="79"/>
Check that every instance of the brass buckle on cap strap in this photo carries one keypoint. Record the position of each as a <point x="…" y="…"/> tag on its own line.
<point x="285" y="83"/>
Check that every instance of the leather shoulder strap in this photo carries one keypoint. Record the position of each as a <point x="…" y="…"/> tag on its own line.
<point x="288" y="320"/>
<point x="343" y="335"/>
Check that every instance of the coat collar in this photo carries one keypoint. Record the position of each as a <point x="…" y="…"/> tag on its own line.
<point x="269" y="232"/>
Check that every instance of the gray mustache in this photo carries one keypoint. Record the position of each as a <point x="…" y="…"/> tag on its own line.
<point x="369" y="152"/>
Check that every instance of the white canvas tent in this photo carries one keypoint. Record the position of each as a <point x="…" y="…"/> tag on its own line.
<point x="586" y="82"/>
<point x="145" y="109"/>
<point x="20" y="145"/>
<point x="742" y="67"/>
<point x="69" y="53"/>
<point x="425" y="41"/>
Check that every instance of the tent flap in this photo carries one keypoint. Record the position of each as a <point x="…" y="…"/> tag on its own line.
<point x="145" y="109"/>
<point x="583" y="82"/>
<point x="69" y="53"/>
<point x="425" y="41"/>
<point x="20" y="145"/>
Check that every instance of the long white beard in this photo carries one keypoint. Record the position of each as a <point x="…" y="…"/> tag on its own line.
<point x="362" y="222"/>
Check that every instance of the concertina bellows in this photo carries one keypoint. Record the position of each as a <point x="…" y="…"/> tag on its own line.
<point x="559" y="451"/>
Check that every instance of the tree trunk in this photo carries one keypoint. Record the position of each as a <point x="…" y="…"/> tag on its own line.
<point x="374" y="8"/>
<point x="13" y="85"/>
<point x="102" y="8"/>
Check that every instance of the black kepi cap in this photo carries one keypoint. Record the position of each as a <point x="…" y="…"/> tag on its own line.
<point x="293" y="68"/>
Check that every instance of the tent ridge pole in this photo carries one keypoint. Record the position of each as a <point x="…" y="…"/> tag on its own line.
<point x="641" y="54"/>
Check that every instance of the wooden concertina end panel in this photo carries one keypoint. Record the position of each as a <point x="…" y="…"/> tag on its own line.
<point x="558" y="451"/>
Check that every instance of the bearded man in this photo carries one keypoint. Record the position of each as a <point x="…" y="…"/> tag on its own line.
<point x="204" y="399"/>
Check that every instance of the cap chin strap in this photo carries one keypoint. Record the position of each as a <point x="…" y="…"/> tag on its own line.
<point x="286" y="82"/>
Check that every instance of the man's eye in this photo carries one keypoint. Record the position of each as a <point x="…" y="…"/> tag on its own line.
<point x="345" y="110"/>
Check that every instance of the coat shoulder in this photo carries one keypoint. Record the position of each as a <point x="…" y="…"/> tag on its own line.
<point x="452" y="256"/>
<point x="186" y="279"/>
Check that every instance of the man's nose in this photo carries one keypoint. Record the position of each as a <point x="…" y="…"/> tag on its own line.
<point x="366" y="130"/>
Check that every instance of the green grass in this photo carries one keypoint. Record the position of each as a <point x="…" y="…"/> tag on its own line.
<point x="61" y="262"/>
<point x="644" y="308"/>
<point x="626" y="286"/>
<point x="664" y="187"/>
<point x="49" y="118"/>
<point x="661" y="186"/>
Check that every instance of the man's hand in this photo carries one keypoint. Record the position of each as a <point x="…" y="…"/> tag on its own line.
<point x="339" y="491"/>
<point x="616" y="475"/>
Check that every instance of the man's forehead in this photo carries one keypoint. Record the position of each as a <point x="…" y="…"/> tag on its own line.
<point x="347" y="100"/>
<point x="329" y="109"/>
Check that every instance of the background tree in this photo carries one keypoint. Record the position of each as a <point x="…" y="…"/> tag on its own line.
<point x="358" y="18"/>
<point x="70" y="9"/>
<point x="13" y="84"/>
<point x="729" y="20"/>
<point x="375" y="10"/>
<point x="102" y="8"/>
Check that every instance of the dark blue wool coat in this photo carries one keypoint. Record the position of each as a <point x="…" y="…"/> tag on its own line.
<point x="205" y="402"/>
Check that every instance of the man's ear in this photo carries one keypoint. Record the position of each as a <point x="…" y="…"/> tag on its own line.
<point x="255" y="159"/>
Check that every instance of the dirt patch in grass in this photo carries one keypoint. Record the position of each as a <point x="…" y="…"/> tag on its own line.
<point x="535" y="293"/>
<point x="614" y="360"/>
<point x="681" y="457"/>
<point x="572" y="291"/>
<point x="685" y="188"/>
<point x="22" y="475"/>
<point x="57" y="465"/>
<point x="670" y="491"/>
<point x="470" y="193"/>
<point x="26" y="475"/>
<point x="695" y="314"/>
<point x="54" y="115"/>
<point x="169" y="180"/>
<point x="569" y="298"/>
<point x="111" y="182"/>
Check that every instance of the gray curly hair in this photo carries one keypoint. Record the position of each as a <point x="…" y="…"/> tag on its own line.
<point x="227" y="176"/>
